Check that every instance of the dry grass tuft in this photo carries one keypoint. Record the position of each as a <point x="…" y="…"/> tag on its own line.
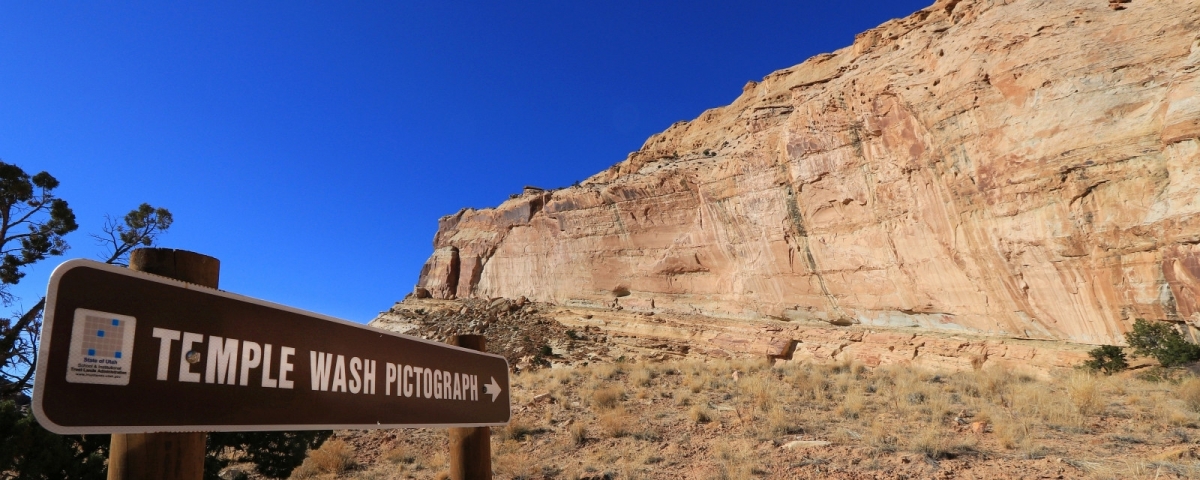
<point x="643" y="375"/>
<point x="780" y="422"/>
<point x="606" y="398"/>
<point x="1189" y="392"/>
<point x="616" y="423"/>
<point x="701" y="414"/>
<point x="937" y="442"/>
<point x="579" y="433"/>
<point x="334" y="457"/>
<point x="1012" y="433"/>
<point x="517" y="430"/>
<point x="852" y="405"/>
<point x="881" y="438"/>
<point x="511" y="459"/>
<point x="607" y="371"/>
<point x="735" y="461"/>
<point x="398" y="455"/>
<point x="1085" y="394"/>
<point x="759" y="392"/>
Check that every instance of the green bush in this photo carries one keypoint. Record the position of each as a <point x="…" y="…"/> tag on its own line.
<point x="1108" y="359"/>
<point x="1163" y="342"/>
<point x="28" y="451"/>
<point x="274" y="454"/>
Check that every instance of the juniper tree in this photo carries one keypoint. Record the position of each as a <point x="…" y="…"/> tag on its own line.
<point x="33" y="222"/>
<point x="1163" y="342"/>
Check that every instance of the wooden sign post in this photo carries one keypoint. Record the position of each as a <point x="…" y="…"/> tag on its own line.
<point x="470" y="447"/>
<point x="168" y="456"/>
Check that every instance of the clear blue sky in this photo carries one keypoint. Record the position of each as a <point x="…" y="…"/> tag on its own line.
<point x="312" y="146"/>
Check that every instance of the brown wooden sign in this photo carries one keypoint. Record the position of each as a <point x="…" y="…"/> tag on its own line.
<point x="130" y="352"/>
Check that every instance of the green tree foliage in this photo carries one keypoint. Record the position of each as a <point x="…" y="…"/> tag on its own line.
<point x="32" y="223"/>
<point x="1163" y="342"/>
<point x="28" y="451"/>
<point x="1108" y="359"/>
<point x="141" y="227"/>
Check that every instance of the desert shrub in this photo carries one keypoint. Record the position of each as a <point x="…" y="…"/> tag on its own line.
<point x="852" y="405"/>
<point x="517" y="430"/>
<point x="606" y="398"/>
<point x="615" y="423"/>
<point x="1163" y="342"/>
<point x="1085" y="394"/>
<point x="398" y="455"/>
<point x="760" y="392"/>
<point x="931" y="442"/>
<point x="642" y="376"/>
<point x="29" y="451"/>
<point x="607" y="371"/>
<point x="881" y="438"/>
<point x="1108" y="359"/>
<point x="334" y="457"/>
<point x="780" y="422"/>
<point x="274" y="454"/>
<point x="579" y="433"/>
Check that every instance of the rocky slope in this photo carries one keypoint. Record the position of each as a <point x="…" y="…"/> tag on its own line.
<point x="535" y="335"/>
<point x="1024" y="168"/>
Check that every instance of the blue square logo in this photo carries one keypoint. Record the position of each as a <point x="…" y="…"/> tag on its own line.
<point x="100" y="333"/>
<point x="117" y="355"/>
<point x="116" y="322"/>
<point x="92" y="352"/>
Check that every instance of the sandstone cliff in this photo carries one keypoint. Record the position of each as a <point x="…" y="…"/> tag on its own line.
<point x="1025" y="168"/>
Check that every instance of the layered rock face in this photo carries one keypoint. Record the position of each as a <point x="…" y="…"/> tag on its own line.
<point x="1027" y="168"/>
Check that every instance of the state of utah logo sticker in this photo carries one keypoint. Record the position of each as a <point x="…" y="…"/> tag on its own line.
<point x="101" y="348"/>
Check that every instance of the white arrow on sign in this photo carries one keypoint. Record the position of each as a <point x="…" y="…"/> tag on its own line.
<point x="492" y="389"/>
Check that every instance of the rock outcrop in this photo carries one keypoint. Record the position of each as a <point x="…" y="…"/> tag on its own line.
<point x="1022" y="168"/>
<point x="533" y="335"/>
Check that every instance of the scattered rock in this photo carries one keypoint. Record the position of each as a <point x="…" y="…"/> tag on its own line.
<point x="498" y="304"/>
<point x="527" y="339"/>
<point x="794" y="444"/>
<point x="420" y="292"/>
<point x="233" y="473"/>
<point x="1180" y="453"/>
